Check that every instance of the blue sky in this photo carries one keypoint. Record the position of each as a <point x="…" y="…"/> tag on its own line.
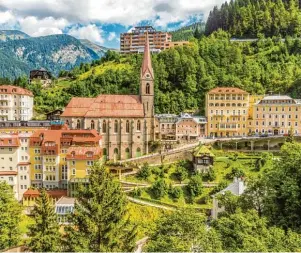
<point x="100" y="21"/>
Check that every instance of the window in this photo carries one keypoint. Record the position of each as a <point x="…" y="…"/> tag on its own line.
<point x="10" y="179"/>
<point x="73" y="163"/>
<point x="10" y="159"/>
<point x="127" y="127"/>
<point x="10" y="149"/>
<point x="78" y="124"/>
<point x="92" y="124"/>
<point x="139" y="125"/>
<point x="90" y="163"/>
<point x="73" y="171"/>
<point x="116" y="126"/>
<point x="147" y="88"/>
<point x="104" y="126"/>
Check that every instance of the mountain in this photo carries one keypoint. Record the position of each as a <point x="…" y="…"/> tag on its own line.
<point x="187" y="32"/>
<point x="100" y="50"/>
<point x="54" y="53"/>
<point x="6" y="35"/>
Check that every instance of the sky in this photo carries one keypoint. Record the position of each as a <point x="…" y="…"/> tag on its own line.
<point x="100" y="21"/>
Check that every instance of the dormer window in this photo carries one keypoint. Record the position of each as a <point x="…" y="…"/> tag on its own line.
<point x="89" y="154"/>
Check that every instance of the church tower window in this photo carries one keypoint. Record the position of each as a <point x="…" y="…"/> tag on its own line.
<point x="147" y="89"/>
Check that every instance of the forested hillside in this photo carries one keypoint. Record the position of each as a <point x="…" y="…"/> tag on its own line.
<point x="187" y="32"/>
<point x="183" y="75"/>
<point x="248" y="18"/>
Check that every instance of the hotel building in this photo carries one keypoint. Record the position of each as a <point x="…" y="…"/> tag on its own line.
<point x="15" y="103"/>
<point x="59" y="154"/>
<point x="276" y="115"/>
<point x="227" y="112"/>
<point x="134" y="41"/>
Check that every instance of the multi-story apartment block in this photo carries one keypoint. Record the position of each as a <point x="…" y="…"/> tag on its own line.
<point x="172" y="44"/>
<point x="134" y="41"/>
<point x="15" y="103"/>
<point x="276" y="115"/>
<point x="14" y="162"/>
<point x="58" y="154"/>
<point x="227" y="112"/>
<point x="184" y="127"/>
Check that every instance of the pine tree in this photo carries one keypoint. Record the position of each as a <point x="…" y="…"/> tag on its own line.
<point x="44" y="233"/>
<point x="10" y="217"/>
<point x="100" y="222"/>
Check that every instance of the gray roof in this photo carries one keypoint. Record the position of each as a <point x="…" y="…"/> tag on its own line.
<point x="277" y="97"/>
<point x="236" y="188"/>
<point x="65" y="201"/>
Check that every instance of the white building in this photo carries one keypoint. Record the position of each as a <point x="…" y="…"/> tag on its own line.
<point x="15" y="103"/>
<point x="237" y="188"/>
<point x="14" y="162"/>
<point x="63" y="207"/>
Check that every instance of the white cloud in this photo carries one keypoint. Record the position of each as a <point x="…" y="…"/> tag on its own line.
<point x="90" y="32"/>
<point x="112" y="36"/>
<point x="41" y="27"/>
<point x="6" y="17"/>
<point x="108" y="11"/>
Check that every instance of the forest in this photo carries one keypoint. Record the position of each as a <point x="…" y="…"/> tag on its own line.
<point x="250" y="18"/>
<point x="183" y="75"/>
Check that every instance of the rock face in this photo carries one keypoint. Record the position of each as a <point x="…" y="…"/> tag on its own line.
<point x="54" y="53"/>
<point x="7" y="35"/>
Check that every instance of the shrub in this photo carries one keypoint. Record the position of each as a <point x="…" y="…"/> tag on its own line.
<point x="144" y="172"/>
<point x="159" y="188"/>
<point x="175" y="192"/>
<point x="195" y="186"/>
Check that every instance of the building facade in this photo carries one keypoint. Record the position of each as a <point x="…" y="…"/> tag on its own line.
<point x="227" y="112"/>
<point x="15" y="103"/>
<point x="59" y="154"/>
<point x="134" y="41"/>
<point x="183" y="127"/>
<point x="40" y="75"/>
<point x="125" y="122"/>
<point x="276" y="115"/>
<point x="14" y="162"/>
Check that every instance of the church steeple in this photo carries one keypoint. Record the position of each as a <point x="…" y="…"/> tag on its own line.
<point x="147" y="61"/>
<point x="147" y="81"/>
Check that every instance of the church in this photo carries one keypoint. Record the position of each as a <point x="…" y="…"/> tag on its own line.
<point x="125" y="122"/>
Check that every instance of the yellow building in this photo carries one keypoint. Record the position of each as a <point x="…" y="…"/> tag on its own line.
<point x="227" y="112"/>
<point x="276" y="115"/>
<point x="50" y="150"/>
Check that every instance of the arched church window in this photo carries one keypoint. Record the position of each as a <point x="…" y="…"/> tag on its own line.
<point x="92" y="124"/>
<point x="147" y="88"/>
<point x="104" y="126"/>
<point x="116" y="126"/>
<point x="138" y="125"/>
<point x="78" y="124"/>
<point x="127" y="127"/>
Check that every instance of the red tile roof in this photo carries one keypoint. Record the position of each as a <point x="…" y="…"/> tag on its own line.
<point x="227" y="90"/>
<point x="41" y="137"/>
<point x="9" y="89"/>
<point x="9" y="141"/>
<point x="31" y="193"/>
<point x="105" y="106"/>
<point x="24" y="163"/>
<point x="52" y="193"/>
<point x="8" y="173"/>
<point x="80" y="153"/>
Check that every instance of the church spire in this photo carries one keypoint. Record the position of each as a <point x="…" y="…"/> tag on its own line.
<point x="147" y="62"/>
